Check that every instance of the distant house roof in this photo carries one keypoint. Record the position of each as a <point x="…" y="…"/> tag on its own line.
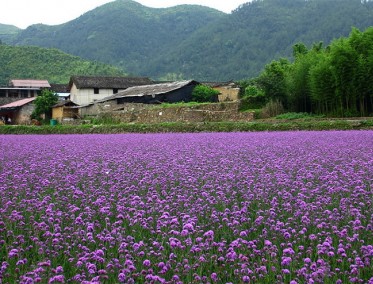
<point x="18" y="104"/>
<point x="150" y="90"/>
<point x="29" y="83"/>
<point x="60" y="88"/>
<point x="219" y="84"/>
<point x="82" y="82"/>
<point x="67" y="103"/>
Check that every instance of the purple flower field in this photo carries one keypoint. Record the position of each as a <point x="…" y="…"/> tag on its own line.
<point x="286" y="207"/>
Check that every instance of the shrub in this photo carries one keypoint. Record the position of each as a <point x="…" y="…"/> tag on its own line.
<point x="272" y="109"/>
<point x="203" y="93"/>
<point x="297" y="115"/>
<point x="253" y="98"/>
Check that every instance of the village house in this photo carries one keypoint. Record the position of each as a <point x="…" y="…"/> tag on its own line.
<point x="171" y="92"/>
<point x="20" y="89"/>
<point x="87" y="89"/>
<point x="17" y="112"/>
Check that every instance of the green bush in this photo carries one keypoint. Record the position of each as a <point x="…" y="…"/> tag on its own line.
<point x="253" y="98"/>
<point x="203" y="93"/>
<point x="272" y="109"/>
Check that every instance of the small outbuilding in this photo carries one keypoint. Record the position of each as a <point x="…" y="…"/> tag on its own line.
<point x="18" y="112"/>
<point x="65" y="110"/>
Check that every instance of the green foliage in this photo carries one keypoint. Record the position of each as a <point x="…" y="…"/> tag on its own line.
<point x="272" y="109"/>
<point x="105" y="118"/>
<point x="253" y="98"/>
<point x="335" y="80"/>
<point x="203" y="93"/>
<point x="198" y="42"/>
<point x="49" y="64"/>
<point x="297" y="115"/>
<point x="273" y="81"/>
<point x="43" y="104"/>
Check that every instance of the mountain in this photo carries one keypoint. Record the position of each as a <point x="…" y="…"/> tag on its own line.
<point x="8" y="32"/>
<point x="122" y="32"/>
<point x="196" y="42"/>
<point x="25" y="62"/>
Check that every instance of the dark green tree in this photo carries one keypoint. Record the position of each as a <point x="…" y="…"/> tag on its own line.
<point x="322" y="87"/>
<point x="345" y="64"/>
<point x="273" y="81"/>
<point x="43" y="105"/>
<point x="252" y="98"/>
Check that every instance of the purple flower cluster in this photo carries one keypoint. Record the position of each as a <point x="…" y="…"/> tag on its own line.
<point x="292" y="207"/>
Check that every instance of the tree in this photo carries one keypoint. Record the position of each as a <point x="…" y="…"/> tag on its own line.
<point x="273" y="81"/>
<point x="253" y="98"/>
<point x="43" y="104"/>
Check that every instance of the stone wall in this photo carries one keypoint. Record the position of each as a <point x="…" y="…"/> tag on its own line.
<point x="202" y="113"/>
<point x="23" y="116"/>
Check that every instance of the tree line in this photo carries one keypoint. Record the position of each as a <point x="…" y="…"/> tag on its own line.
<point x="333" y="80"/>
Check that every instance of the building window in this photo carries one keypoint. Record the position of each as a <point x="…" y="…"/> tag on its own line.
<point x="115" y="91"/>
<point x="96" y="91"/>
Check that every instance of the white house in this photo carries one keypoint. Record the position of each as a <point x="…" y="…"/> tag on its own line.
<point x="87" y="89"/>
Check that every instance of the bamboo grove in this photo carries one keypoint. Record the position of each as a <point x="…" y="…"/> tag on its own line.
<point x="336" y="80"/>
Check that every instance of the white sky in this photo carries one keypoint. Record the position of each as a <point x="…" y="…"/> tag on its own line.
<point x="23" y="13"/>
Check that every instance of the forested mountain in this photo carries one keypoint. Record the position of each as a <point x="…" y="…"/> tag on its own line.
<point x="196" y="42"/>
<point x="8" y="32"/>
<point x="122" y="32"/>
<point x="29" y="62"/>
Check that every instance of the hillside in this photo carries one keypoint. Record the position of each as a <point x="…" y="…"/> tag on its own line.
<point x="123" y="32"/>
<point x="50" y="64"/>
<point x="8" y="32"/>
<point x="196" y="42"/>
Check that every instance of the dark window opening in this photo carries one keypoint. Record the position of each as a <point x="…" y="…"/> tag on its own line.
<point x="96" y="91"/>
<point x="115" y="91"/>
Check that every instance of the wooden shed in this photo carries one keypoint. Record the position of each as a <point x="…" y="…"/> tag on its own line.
<point x="65" y="110"/>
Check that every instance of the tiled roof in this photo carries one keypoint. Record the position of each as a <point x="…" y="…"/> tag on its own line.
<point x="65" y="103"/>
<point x="18" y="103"/>
<point x="29" y="83"/>
<point x="82" y="82"/>
<point x="150" y="90"/>
<point x="60" y="88"/>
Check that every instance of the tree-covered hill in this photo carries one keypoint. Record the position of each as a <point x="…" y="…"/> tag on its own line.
<point x="196" y="42"/>
<point x="29" y="62"/>
<point x="8" y="32"/>
<point x="239" y="45"/>
<point x="122" y="32"/>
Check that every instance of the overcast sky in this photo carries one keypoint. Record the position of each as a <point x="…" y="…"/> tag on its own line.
<point x="22" y="13"/>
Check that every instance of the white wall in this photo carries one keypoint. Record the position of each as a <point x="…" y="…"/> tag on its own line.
<point x="86" y="96"/>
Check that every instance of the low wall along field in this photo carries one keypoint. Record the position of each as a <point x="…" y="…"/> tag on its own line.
<point x="202" y="113"/>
